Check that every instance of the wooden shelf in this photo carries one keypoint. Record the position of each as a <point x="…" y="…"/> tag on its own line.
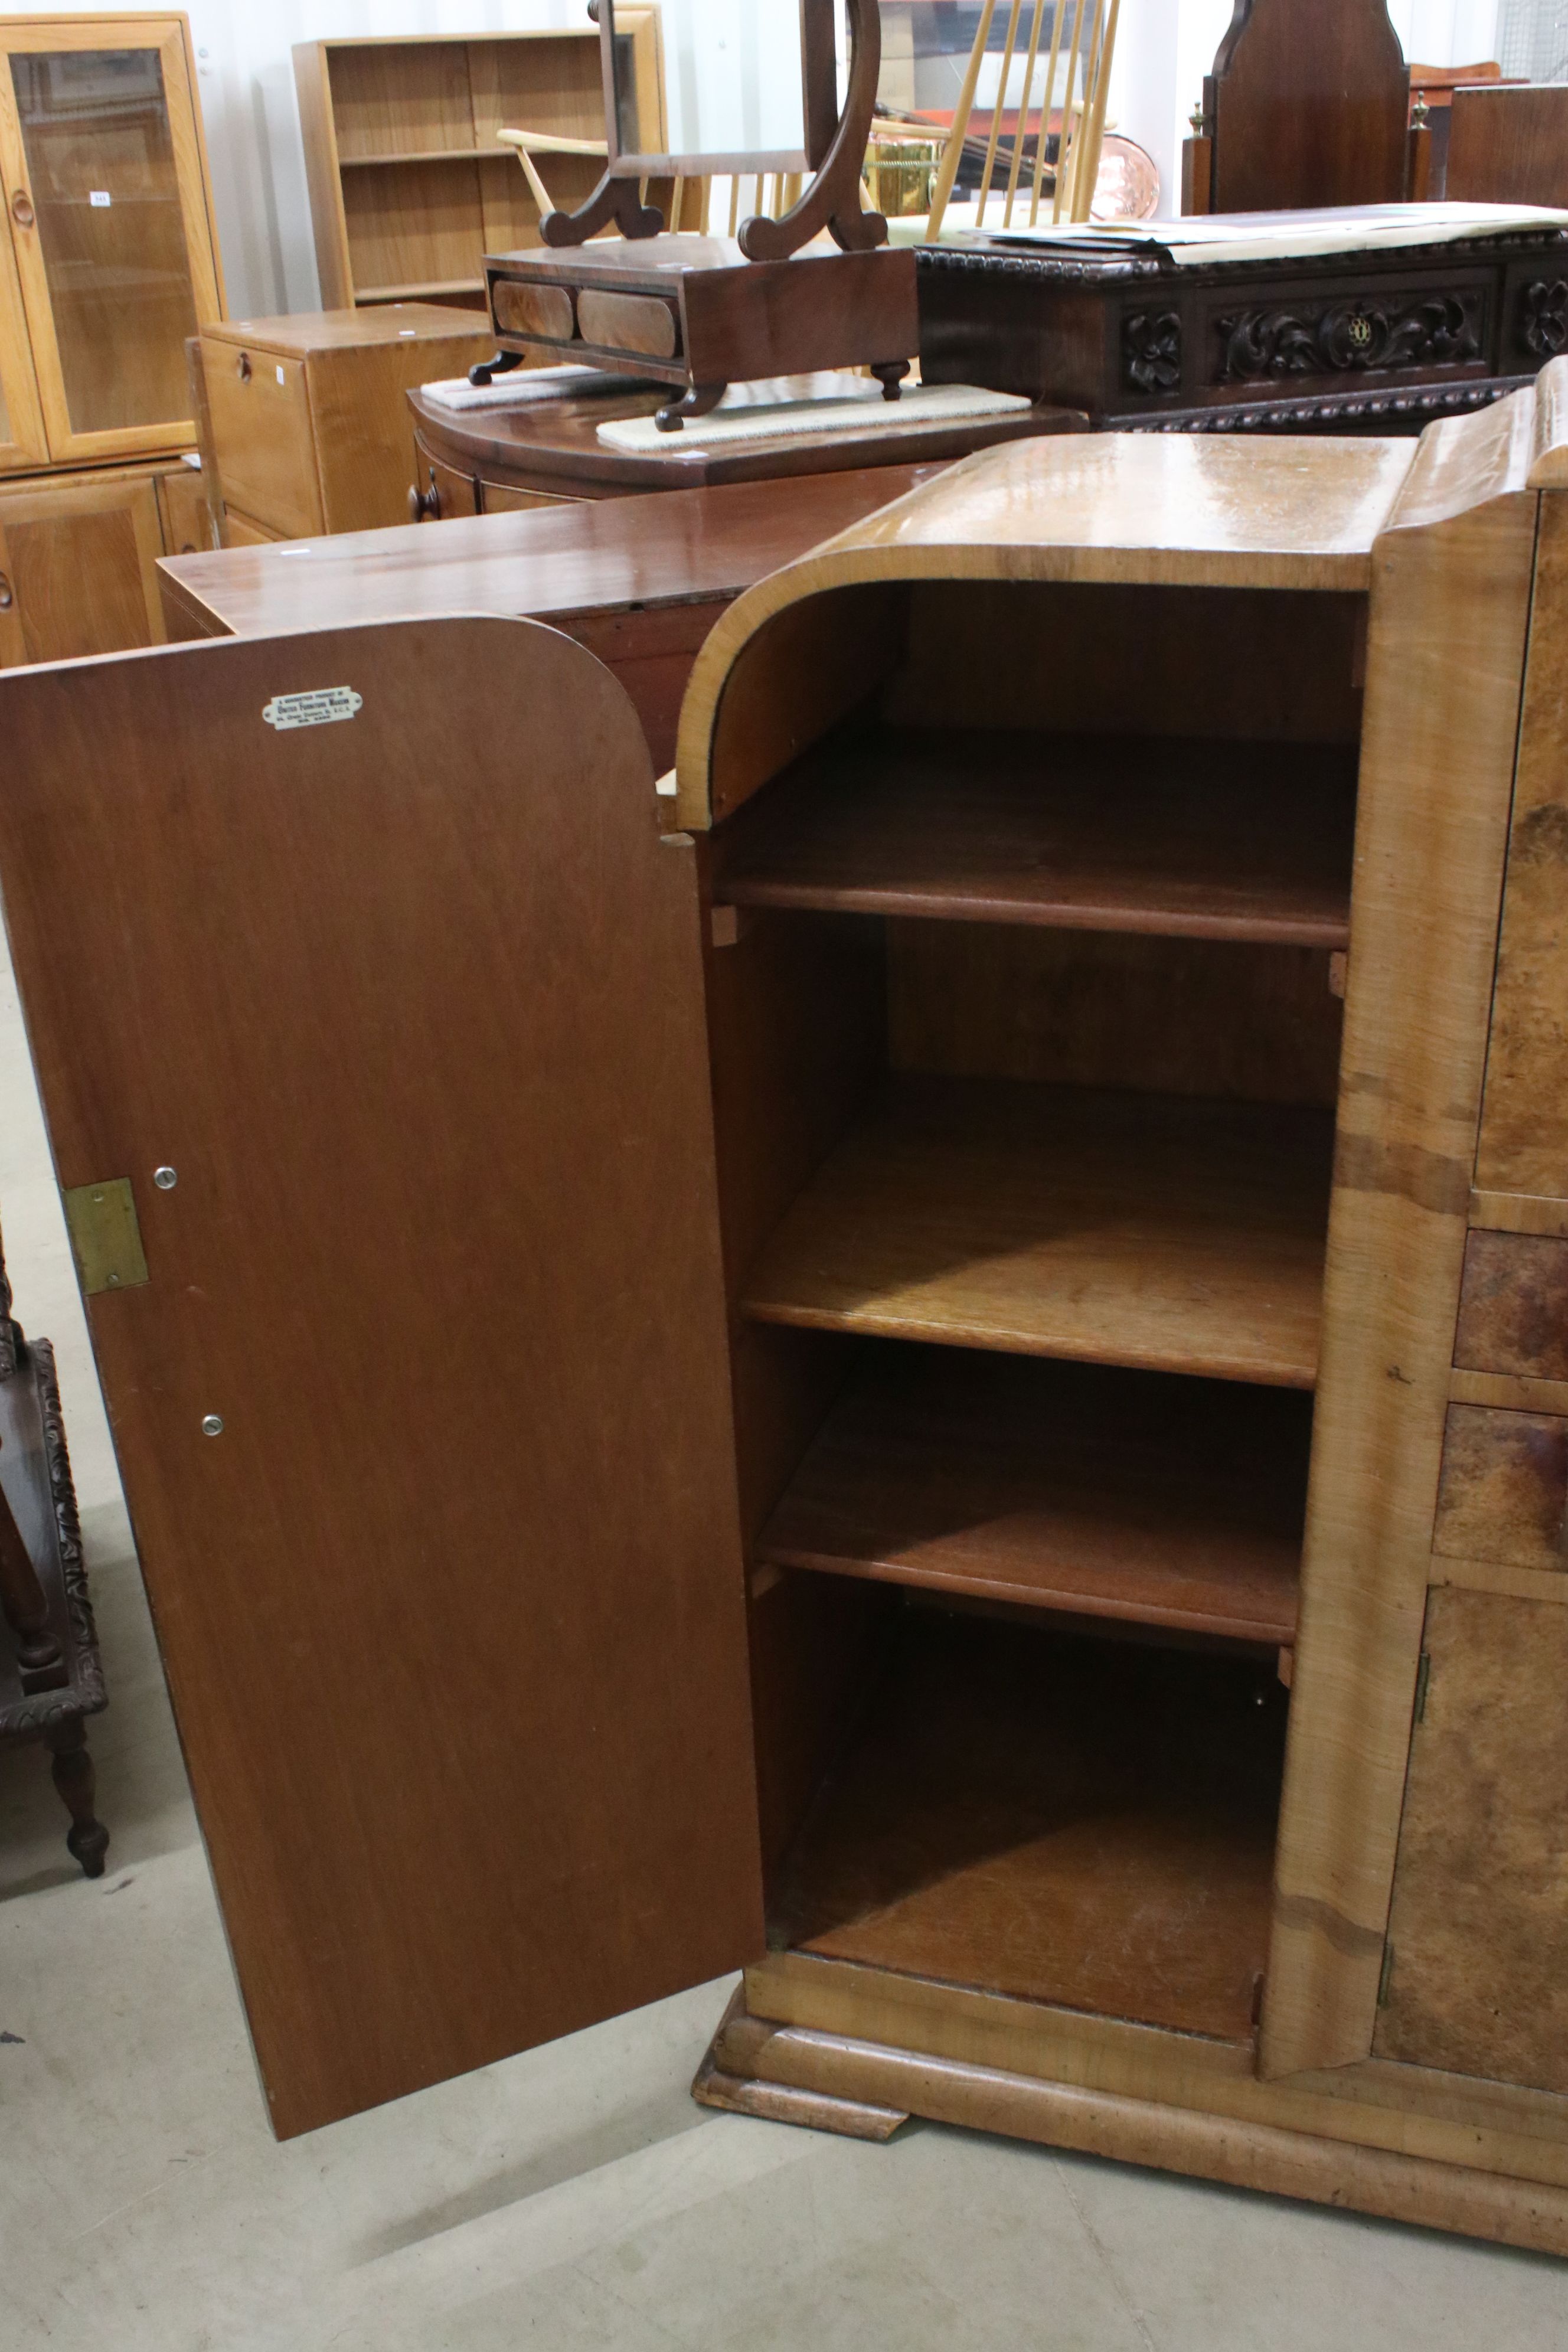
<point x="1075" y="1822"/>
<point x="1101" y="1492"/>
<point x="1144" y="1230"/>
<point x="422" y="289"/>
<point x="1209" y="840"/>
<point x="429" y="155"/>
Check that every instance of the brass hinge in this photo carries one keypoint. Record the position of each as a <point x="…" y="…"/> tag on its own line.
<point x="1385" y="1974"/>
<point x="105" y="1238"/>
<point x="1423" y="1679"/>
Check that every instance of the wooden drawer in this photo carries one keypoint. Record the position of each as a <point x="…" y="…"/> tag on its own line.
<point x="1513" y="1309"/>
<point x="1504" y="1487"/>
<point x="265" y="451"/>
<point x="499" y="498"/>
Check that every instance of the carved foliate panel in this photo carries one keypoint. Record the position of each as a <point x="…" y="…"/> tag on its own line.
<point x="1543" y="317"/>
<point x="1152" y="350"/>
<point x="1351" y="335"/>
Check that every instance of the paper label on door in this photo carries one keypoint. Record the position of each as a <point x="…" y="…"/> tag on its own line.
<point x="319" y="708"/>
<point x="98" y="197"/>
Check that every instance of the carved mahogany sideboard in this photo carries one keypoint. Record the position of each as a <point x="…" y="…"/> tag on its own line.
<point x="1372" y="342"/>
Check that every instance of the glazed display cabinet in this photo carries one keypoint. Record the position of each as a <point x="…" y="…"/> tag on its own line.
<point x="113" y="259"/>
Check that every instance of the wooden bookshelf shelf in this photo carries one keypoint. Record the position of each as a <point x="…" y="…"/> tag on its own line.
<point x="426" y="155"/>
<point x="1212" y="840"/>
<point x="421" y="289"/>
<point x="1101" y="1492"/>
<point x="1143" y="1230"/>
<point x="1064" y="1821"/>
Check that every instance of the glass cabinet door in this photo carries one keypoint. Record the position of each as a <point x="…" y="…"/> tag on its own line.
<point x="109" y="221"/>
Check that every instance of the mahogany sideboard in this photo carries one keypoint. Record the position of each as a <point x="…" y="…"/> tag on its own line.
<point x="985" y="1432"/>
<point x="639" y="581"/>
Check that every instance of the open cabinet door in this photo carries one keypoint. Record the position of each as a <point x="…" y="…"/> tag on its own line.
<point x="357" y="959"/>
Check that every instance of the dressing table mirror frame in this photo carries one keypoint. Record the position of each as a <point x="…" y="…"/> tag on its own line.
<point x="833" y="151"/>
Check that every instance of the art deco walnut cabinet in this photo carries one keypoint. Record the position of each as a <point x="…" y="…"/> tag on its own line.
<point x="932" y="1361"/>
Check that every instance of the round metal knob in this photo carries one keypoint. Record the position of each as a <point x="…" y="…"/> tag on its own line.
<point x="22" y="211"/>
<point x="424" y="506"/>
<point x="7" y="594"/>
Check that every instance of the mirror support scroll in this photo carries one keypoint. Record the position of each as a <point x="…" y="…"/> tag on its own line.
<point x="832" y="201"/>
<point x="835" y="150"/>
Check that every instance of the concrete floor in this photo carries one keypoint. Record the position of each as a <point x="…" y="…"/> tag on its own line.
<point x="571" y="2198"/>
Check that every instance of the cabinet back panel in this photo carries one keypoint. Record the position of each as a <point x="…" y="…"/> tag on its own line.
<point x="388" y="99"/>
<point x="538" y="84"/>
<point x="1228" y="1019"/>
<point x="1095" y="658"/>
<point x="413" y="224"/>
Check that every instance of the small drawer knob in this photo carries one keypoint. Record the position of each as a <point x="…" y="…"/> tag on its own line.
<point x="7" y="594"/>
<point x="424" y="506"/>
<point x="22" y="211"/>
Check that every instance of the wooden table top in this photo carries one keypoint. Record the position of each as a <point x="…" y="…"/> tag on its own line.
<point x="299" y="333"/>
<point x="680" y="547"/>
<point x="557" y="441"/>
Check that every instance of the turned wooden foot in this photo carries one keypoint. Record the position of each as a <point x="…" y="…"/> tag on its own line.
<point x="74" y="1777"/>
<point x="890" y="374"/>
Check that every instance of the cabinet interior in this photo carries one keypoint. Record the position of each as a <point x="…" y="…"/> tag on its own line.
<point x="1026" y="1053"/>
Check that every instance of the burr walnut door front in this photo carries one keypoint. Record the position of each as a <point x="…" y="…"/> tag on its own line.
<point x="358" y="958"/>
<point x="1475" y="1981"/>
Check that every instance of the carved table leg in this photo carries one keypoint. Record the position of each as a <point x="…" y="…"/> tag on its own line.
<point x="73" y="1775"/>
<point x="890" y="374"/>
<point x="697" y="401"/>
<point x="8" y="1334"/>
<point x="40" y="1663"/>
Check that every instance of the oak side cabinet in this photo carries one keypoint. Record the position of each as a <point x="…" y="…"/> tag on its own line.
<point x="931" y="1362"/>
<point x="305" y="426"/>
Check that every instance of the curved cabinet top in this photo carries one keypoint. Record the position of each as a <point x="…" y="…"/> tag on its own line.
<point x="1158" y="510"/>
